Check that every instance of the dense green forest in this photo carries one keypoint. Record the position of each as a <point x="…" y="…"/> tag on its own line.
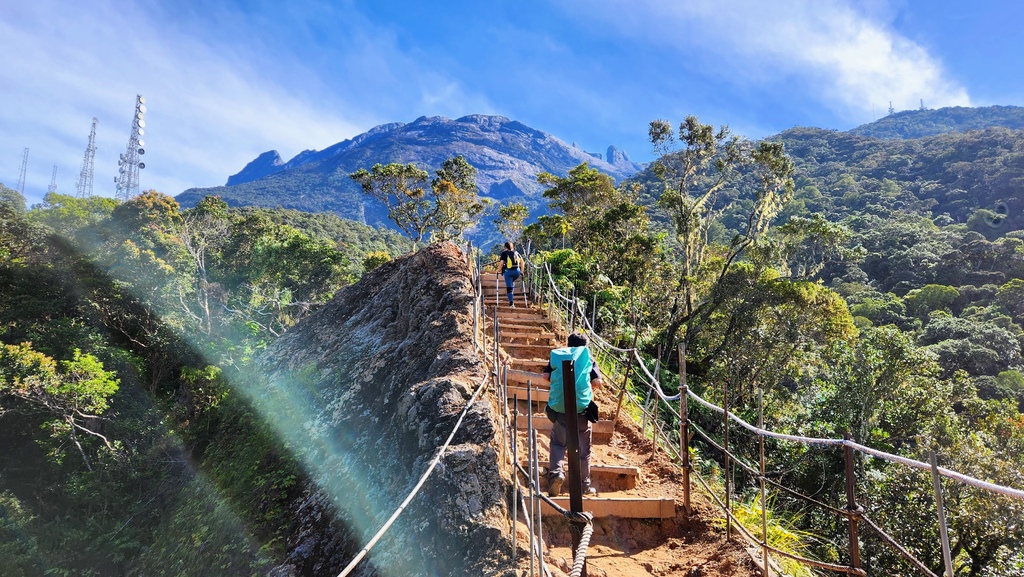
<point x="126" y="451"/>
<point x="862" y="286"/>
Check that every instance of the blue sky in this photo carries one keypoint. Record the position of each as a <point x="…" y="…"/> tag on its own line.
<point x="225" y="81"/>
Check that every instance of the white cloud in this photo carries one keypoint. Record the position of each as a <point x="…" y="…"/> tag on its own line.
<point x="851" y="59"/>
<point x="221" y="87"/>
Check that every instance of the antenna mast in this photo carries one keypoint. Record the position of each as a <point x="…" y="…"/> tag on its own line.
<point x="53" y="180"/>
<point x="84" y="186"/>
<point x="128" y="165"/>
<point x="891" y="109"/>
<point x="24" y="170"/>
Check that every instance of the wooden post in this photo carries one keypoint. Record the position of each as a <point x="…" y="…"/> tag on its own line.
<point x="764" y="514"/>
<point x="684" y="428"/>
<point x="725" y="459"/>
<point x="572" y="452"/>
<point x="940" y="505"/>
<point x="852" y="511"/>
<point x="515" y="477"/>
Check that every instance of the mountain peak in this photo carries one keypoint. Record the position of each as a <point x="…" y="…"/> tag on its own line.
<point x="263" y="165"/>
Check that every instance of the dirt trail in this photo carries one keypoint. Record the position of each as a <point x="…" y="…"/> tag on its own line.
<point x="624" y="547"/>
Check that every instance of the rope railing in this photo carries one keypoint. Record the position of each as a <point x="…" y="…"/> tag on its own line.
<point x="415" y="490"/>
<point x="573" y="311"/>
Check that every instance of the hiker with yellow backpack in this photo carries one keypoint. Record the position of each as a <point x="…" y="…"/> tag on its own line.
<point x="511" y="268"/>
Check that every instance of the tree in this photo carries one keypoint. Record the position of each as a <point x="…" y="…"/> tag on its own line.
<point x="76" y="391"/>
<point x="202" y="231"/>
<point x="693" y="175"/>
<point x="443" y="211"/>
<point x="582" y="196"/>
<point x="455" y="197"/>
<point x="510" y="220"/>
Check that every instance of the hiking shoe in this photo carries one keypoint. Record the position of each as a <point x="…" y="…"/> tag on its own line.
<point x="555" y="485"/>
<point x="589" y="491"/>
<point x="513" y="305"/>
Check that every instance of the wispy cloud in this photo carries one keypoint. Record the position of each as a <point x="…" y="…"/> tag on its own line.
<point x="220" y="88"/>
<point x="850" y="58"/>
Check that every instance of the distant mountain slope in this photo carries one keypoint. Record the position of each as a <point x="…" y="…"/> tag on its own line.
<point x="920" y="123"/>
<point x="507" y="155"/>
<point x="954" y="174"/>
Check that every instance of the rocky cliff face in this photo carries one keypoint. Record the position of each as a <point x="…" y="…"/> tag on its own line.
<point x="372" y="385"/>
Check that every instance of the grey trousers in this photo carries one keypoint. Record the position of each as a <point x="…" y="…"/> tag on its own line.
<point x="558" y="430"/>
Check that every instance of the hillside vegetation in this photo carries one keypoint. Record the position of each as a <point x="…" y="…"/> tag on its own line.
<point x="858" y="285"/>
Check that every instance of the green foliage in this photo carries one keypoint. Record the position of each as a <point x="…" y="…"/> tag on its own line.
<point x="19" y="550"/>
<point x="930" y="298"/>
<point x="511" y="219"/>
<point x="375" y="259"/>
<point x="443" y="211"/>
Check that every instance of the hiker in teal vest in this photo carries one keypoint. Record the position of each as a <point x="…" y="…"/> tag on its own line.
<point x="588" y="377"/>
<point x="511" y="269"/>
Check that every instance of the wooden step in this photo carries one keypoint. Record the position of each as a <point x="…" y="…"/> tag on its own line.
<point x="543" y="425"/>
<point x="535" y="335"/>
<point x="622" y="478"/>
<point x="626" y="507"/>
<point x="523" y="326"/>
<point x="527" y="350"/>
<point x="517" y="378"/>
<point x="538" y="395"/>
<point x="529" y="365"/>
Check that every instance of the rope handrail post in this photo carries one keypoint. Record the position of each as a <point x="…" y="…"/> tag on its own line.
<point x="852" y="511"/>
<point x="593" y="314"/>
<point x="572" y="449"/>
<point x="761" y="477"/>
<point x="725" y="458"/>
<point x="515" y="478"/>
<point x="684" y="429"/>
<point x="538" y="523"/>
<point x="941" y="508"/>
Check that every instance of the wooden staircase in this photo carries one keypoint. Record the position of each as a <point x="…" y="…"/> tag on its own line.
<point x="526" y="337"/>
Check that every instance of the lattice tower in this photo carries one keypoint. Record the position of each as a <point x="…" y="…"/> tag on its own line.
<point x="24" y="170"/>
<point x="53" y="180"/>
<point x="84" y="186"/>
<point x="128" y="166"/>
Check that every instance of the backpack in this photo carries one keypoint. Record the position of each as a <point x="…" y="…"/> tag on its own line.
<point x="584" y="394"/>
<point x="511" y="261"/>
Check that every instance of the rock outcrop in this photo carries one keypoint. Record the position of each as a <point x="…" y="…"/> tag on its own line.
<point x="372" y="385"/>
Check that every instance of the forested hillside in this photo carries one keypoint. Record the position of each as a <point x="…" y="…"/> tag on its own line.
<point x="857" y="285"/>
<point x="125" y="450"/>
<point x="861" y="286"/>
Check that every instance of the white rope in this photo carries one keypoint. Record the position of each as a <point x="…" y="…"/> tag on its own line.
<point x="1009" y="491"/>
<point x="423" y="479"/>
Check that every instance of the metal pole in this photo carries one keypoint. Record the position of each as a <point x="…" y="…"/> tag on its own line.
<point x="572" y="450"/>
<point x="593" y="314"/>
<point x="940" y="505"/>
<point x="540" y="530"/>
<point x="852" y="511"/>
<point x="725" y="458"/>
<point x="684" y="428"/>
<point x="764" y="514"/>
<point x="572" y="310"/>
<point x="532" y="513"/>
<point x="515" y="476"/>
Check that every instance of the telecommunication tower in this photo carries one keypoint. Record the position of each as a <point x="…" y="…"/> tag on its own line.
<point x="922" y="105"/>
<point x="24" y="170"/>
<point x="128" y="165"/>
<point x="891" y="109"/>
<point x="84" y="186"/>
<point x="53" y="180"/>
